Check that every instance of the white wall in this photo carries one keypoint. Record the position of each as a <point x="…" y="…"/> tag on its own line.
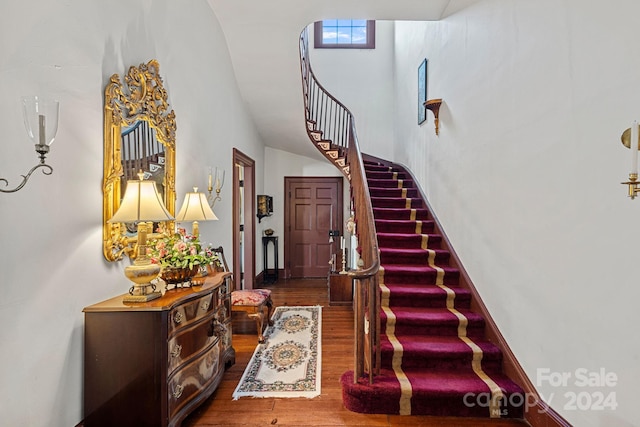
<point x="278" y="165"/>
<point x="362" y="80"/>
<point x="525" y="177"/>
<point x="51" y="263"/>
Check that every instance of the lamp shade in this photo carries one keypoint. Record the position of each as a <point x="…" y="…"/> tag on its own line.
<point x="141" y="202"/>
<point x="195" y="208"/>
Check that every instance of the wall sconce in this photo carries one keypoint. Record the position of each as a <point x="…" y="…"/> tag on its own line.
<point x="41" y="121"/>
<point x="141" y="204"/>
<point x="216" y="178"/>
<point x="627" y="137"/>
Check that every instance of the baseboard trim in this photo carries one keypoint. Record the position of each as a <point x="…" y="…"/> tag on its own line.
<point x="539" y="413"/>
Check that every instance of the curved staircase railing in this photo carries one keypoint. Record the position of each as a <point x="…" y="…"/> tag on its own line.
<point x="331" y="127"/>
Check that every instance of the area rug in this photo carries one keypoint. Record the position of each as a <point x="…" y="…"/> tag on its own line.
<point x="288" y="364"/>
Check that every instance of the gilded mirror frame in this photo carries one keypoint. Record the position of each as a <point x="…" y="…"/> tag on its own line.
<point x="141" y="97"/>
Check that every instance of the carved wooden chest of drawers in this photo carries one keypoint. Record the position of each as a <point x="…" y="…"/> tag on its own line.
<point x="150" y="364"/>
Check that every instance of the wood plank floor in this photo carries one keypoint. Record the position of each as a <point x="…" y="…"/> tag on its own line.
<point x="337" y="357"/>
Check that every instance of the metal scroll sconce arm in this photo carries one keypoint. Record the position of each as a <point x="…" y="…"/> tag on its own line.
<point x="47" y="170"/>
<point x="41" y="122"/>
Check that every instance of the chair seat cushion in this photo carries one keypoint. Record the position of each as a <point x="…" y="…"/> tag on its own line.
<point x="250" y="297"/>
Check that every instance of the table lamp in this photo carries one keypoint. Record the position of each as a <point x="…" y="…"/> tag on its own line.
<point x="141" y="204"/>
<point x="195" y="208"/>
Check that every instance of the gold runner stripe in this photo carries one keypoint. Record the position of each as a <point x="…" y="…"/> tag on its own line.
<point x="418" y="227"/>
<point x="496" y="392"/>
<point x="406" y="390"/>
<point x="395" y="174"/>
<point x="425" y="241"/>
<point x="404" y="193"/>
<point x="399" y="183"/>
<point x="412" y="217"/>
<point x="497" y="395"/>
<point x="407" y="203"/>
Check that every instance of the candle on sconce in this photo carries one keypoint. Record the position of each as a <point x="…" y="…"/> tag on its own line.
<point x="633" y="146"/>
<point x="210" y="183"/>
<point x="41" y="125"/>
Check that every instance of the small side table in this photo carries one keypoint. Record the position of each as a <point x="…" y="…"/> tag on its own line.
<point x="340" y="289"/>
<point x="270" y="275"/>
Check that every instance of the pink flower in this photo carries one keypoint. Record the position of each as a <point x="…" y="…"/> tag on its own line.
<point x="193" y="250"/>
<point x="180" y="246"/>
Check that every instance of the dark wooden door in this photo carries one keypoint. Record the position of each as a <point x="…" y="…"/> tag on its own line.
<point x="313" y="207"/>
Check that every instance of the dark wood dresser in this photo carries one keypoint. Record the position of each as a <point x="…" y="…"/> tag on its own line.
<point x="151" y="364"/>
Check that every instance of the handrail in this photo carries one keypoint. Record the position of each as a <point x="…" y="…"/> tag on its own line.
<point x="326" y="115"/>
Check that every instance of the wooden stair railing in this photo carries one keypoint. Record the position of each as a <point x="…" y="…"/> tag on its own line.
<point x="331" y="128"/>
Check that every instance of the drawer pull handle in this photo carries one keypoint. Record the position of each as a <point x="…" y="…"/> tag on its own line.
<point x="177" y="317"/>
<point x="205" y="305"/>
<point x="176" y="350"/>
<point x="177" y="392"/>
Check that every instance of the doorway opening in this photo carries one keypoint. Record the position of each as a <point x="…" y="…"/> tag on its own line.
<point x="244" y="236"/>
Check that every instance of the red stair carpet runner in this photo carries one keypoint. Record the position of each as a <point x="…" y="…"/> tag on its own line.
<point x="435" y="359"/>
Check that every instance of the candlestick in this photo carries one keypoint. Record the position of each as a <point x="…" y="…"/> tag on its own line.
<point x="210" y="183"/>
<point x="633" y="146"/>
<point x="342" y="243"/>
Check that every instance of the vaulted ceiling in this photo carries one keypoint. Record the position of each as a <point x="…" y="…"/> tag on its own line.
<point x="262" y="36"/>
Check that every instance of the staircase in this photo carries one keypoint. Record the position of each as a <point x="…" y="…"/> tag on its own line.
<point x="420" y="349"/>
<point x="435" y="359"/>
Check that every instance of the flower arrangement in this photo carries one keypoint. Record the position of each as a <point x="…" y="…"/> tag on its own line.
<point x="180" y="250"/>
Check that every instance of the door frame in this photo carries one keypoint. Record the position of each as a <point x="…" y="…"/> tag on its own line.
<point x="339" y="225"/>
<point x="249" y="247"/>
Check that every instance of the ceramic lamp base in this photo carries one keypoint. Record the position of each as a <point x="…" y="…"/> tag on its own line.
<point x="141" y="273"/>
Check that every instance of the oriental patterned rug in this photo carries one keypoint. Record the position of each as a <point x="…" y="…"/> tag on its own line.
<point x="288" y="364"/>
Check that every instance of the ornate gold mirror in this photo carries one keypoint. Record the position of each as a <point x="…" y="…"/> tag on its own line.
<point x="139" y="134"/>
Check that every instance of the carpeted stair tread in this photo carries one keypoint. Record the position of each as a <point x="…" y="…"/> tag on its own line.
<point x="419" y="274"/>
<point x="412" y="295"/>
<point x="440" y="352"/>
<point x="395" y="202"/>
<point x="408" y="240"/>
<point x="389" y="183"/>
<point x="412" y="256"/>
<point x="400" y="213"/>
<point x="433" y="393"/>
<point x="386" y="174"/>
<point x="406" y="226"/>
<point x="431" y="316"/>
<point x="393" y="192"/>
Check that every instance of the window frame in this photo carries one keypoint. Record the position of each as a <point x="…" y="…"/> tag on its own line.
<point x="319" y="44"/>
